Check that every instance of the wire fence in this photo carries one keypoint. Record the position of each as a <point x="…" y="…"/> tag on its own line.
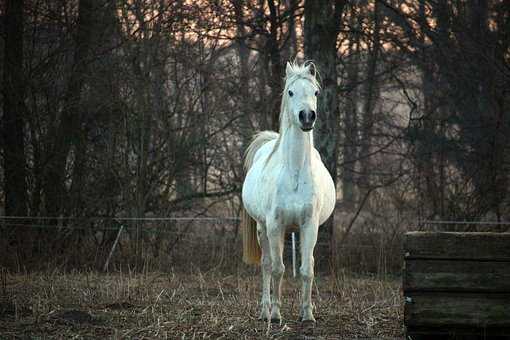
<point x="466" y="222"/>
<point x="107" y="243"/>
<point x="95" y="218"/>
<point x="463" y="226"/>
<point x="5" y="221"/>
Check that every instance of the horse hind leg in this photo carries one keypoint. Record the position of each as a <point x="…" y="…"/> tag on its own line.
<point x="265" y="302"/>
<point x="276" y="238"/>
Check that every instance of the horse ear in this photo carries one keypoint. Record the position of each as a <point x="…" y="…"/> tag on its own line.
<point x="288" y="69"/>
<point x="312" y="69"/>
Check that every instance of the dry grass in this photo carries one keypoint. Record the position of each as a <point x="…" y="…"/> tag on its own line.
<point x="194" y="305"/>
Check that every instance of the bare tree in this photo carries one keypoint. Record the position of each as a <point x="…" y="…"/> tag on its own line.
<point x="67" y="130"/>
<point x="14" y="112"/>
<point x="321" y="28"/>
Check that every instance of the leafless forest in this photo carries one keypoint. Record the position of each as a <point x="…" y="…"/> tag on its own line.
<point x="116" y="113"/>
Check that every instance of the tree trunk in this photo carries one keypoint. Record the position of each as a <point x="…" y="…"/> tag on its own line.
<point x="243" y="52"/>
<point x="69" y="131"/>
<point x="429" y="205"/>
<point x="276" y="66"/>
<point x="321" y="27"/>
<point x="371" y="95"/>
<point x="14" y="94"/>
<point x="350" y="120"/>
<point x="291" y="45"/>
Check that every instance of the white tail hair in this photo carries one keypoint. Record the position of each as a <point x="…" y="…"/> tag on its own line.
<point x="251" y="247"/>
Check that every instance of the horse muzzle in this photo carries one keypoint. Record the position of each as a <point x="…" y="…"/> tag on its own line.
<point x="307" y="119"/>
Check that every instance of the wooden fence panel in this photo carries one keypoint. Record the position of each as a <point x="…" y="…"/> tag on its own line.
<point x="457" y="283"/>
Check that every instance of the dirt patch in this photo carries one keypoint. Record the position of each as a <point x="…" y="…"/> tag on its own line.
<point x="12" y="310"/>
<point x="120" y="305"/>
<point x="156" y="305"/>
<point x="73" y="316"/>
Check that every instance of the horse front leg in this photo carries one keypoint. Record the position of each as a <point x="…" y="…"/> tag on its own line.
<point x="308" y="239"/>
<point x="275" y="236"/>
<point x="265" y="302"/>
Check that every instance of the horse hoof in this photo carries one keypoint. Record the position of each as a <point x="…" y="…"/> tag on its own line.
<point x="308" y="323"/>
<point x="276" y="321"/>
<point x="264" y="316"/>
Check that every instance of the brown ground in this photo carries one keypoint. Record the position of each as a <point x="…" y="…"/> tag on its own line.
<point x="190" y="306"/>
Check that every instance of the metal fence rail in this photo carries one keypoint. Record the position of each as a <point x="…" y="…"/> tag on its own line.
<point x="465" y="222"/>
<point x="199" y="233"/>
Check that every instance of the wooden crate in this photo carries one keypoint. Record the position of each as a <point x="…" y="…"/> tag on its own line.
<point x="457" y="285"/>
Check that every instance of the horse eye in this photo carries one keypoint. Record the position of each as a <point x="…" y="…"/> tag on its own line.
<point x="316" y="93"/>
<point x="291" y="93"/>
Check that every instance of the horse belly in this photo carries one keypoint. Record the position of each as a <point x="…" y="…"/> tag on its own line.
<point x="255" y="190"/>
<point x="251" y="196"/>
<point x="328" y="199"/>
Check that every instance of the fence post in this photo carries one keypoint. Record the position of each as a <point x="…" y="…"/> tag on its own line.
<point x="105" y="268"/>
<point x="293" y="254"/>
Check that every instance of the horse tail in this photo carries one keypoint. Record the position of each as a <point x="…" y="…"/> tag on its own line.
<point x="251" y="247"/>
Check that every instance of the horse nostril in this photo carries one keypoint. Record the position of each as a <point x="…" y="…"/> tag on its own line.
<point x="312" y="115"/>
<point x="301" y="115"/>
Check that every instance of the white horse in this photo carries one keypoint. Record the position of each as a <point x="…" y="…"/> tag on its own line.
<point x="286" y="186"/>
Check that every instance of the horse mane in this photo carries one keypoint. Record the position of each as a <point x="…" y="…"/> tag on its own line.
<point x="297" y="72"/>
<point x="259" y="139"/>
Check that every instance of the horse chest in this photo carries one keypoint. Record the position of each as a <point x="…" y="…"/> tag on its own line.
<point x="294" y="185"/>
<point x="294" y="199"/>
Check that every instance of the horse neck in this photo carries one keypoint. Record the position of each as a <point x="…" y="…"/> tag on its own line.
<point x="296" y="148"/>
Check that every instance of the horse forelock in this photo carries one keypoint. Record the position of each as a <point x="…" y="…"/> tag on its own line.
<point x="301" y="72"/>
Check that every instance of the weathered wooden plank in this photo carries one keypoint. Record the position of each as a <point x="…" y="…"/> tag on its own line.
<point x="457" y="310"/>
<point x="456" y="276"/>
<point x="453" y="245"/>
<point x="449" y="333"/>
